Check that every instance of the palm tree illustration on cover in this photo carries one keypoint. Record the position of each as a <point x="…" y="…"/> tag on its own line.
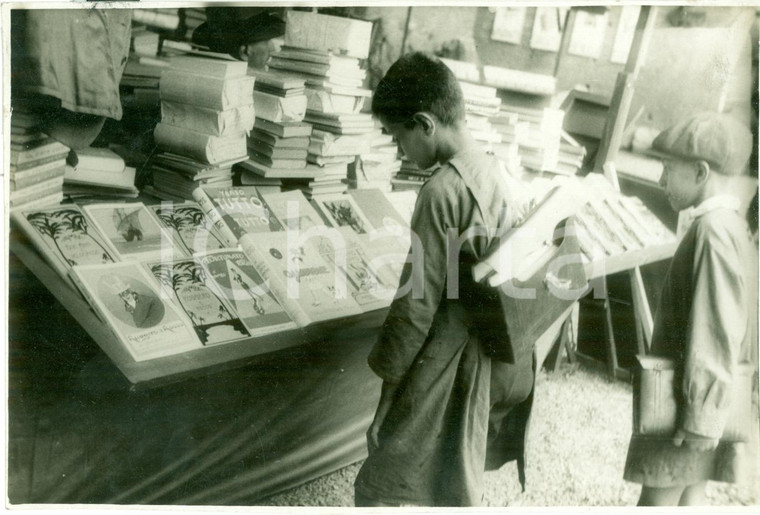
<point x="57" y="225"/>
<point x="186" y="220"/>
<point x="180" y="276"/>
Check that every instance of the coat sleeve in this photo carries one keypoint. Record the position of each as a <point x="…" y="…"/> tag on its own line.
<point x="411" y="315"/>
<point x="717" y="326"/>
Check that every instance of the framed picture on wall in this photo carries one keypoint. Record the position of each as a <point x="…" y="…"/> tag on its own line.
<point x="508" y="23"/>
<point x="588" y="34"/>
<point x="547" y="28"/>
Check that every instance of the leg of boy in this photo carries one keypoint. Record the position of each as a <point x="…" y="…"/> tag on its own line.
<point x="694" y="495"/>
<point x="651" y="496"/>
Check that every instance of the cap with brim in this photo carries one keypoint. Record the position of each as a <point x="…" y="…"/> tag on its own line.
<point x="718" y="139"/>
<point x="228" y="36"/>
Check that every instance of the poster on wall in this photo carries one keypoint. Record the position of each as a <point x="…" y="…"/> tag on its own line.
<point x="508" y="23"/>
<point x="588" y="34"/>
<point x="547" y="28"/>
<point x="629" y="16"/>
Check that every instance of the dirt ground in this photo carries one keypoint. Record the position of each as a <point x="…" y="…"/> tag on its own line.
<point x="576" y="453"/>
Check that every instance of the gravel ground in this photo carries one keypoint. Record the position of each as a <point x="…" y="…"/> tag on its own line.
<point x="576" y="452"/>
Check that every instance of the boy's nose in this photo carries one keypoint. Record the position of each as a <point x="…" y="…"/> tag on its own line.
<point x="663" y="179"/>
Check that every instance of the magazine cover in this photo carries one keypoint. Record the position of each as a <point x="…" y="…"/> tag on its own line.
<point x="342" y="211"/>
<point x="213" y="319"/>
<point x="131" y="230"/>
<point x="64" y="237"/>
<point x="237" y="281"/>
<point x="128" y="299"/>
<point x="189" y="225"/>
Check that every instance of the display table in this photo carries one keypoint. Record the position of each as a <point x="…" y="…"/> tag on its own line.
<point x="238" y="427"/>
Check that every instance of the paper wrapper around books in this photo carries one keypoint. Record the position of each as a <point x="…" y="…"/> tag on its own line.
<point x="655" y="411"/>
<point x="279" y="109"/>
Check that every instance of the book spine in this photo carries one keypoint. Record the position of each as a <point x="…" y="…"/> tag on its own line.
<point x="221" y="222"/>
<point x="196" y="145"/>
<point x="30" y="180"/>
<point x="42" y="152"/>
<point x="231" y="121"/>
<point x="205" y="67"/>
<point x="211" y="92"/>
<point x="37" y="189"/>
<point x="276" y="284"/>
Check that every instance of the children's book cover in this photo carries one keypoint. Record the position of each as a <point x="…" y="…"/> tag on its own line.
<point x="64" y="237"/>
<point x="185" y="280"/>
<point x="128" y="299"/>
<point x="302" y="280"/>
<point x="189" y="224"/>
<point x="132" y="230"/>
<point x="371" y="286"/>
<point x="292" y="209"/>
<point x="342" y="211"/>
<point x="235" y="279"/>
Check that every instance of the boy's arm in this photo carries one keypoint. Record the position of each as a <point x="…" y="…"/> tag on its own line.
<point x="409" y="318"/>
<point x="717" y="327"/>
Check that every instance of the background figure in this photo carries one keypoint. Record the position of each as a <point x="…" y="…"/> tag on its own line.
<point x="706" y="321"/>
<point x="247" y="34"/>
<point x="66" y="64"/>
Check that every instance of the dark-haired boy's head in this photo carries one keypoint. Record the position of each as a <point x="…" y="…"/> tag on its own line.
<point x="418" y="83"/>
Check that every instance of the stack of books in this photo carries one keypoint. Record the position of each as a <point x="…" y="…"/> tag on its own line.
<point x="376" y="168"/>
<point x="333" y="75"/>
<point x="481" y="102"/>
<point x="98" y="173"/>
<point x="277" y="147"/>
<point x="191" y="18"/>
<point x="411" y="176"/>
<point x="541" y="144"/>
<point x="206" y="111"/>
<point x="37" y="163"/>
<point x="158" y="18"/>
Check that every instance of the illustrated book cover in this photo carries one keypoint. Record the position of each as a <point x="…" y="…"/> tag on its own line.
<point x="234" y="278"/>
<point x="185" y="281"/>
<point x="302" y="280"/>
<point x="64" y="237"/>
<point x="189" y="224"/>
<point x="127" y="298"/>
<point x="131" y="230"/>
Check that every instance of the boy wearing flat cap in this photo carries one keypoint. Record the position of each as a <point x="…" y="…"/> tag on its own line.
<point x="244" y="36"/>
<point x="707" y="317"/>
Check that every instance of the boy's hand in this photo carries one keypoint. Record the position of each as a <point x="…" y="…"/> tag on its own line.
<point x="386" y="399"/>
<point x="694" y="441"/>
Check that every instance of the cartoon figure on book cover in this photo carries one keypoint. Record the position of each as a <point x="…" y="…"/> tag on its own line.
<point x="131" y="229"/>
<point x="344" y="214"/>
<point x="139" y="306"/>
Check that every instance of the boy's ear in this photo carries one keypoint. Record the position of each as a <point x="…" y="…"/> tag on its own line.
<point x="425" y="121"/>
<point x="703" y="171"/>
<point x="243" y="52"/>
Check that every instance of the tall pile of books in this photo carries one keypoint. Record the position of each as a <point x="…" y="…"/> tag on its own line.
<point x="376" y="168"/>
<point x="206" y="112"/>
<point x="327" y="52"/>
<point x="191" y="18"/>
<point x="536" y="136"/>
<point x="37" y="163"/>
<point x="277" y="147"/>
<point x="481" y="102"/>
